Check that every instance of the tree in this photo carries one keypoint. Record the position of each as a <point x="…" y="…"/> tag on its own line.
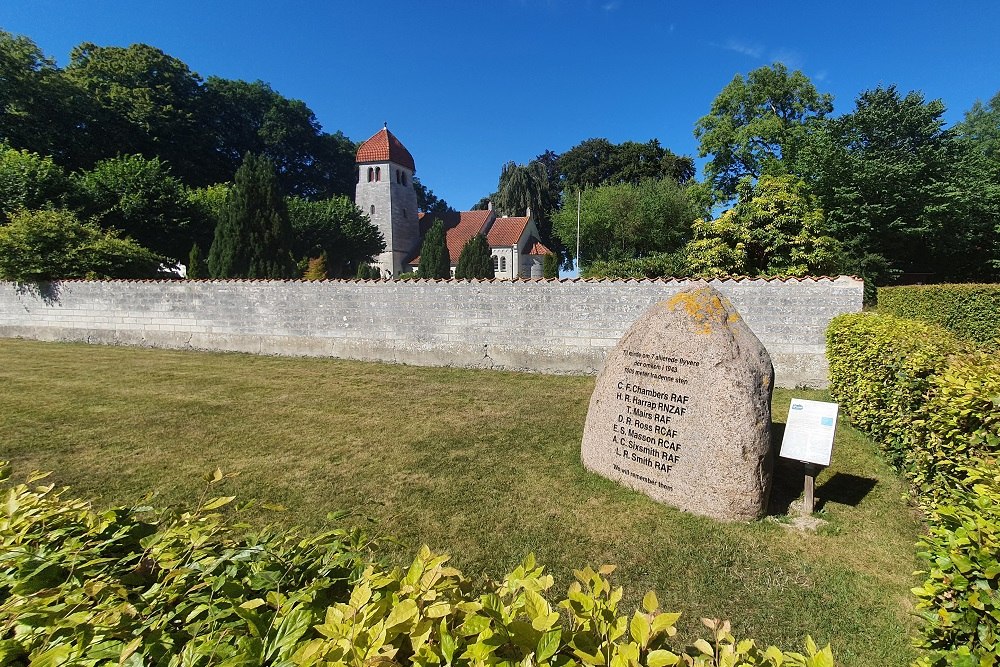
<point x="521" y="187"/>
<point x="251" y="117"/>
<point x="28" y="180"/>
<point x="890" y="179"/>
<point x="428" y="202"/>
<point x="756" y="125"/>
<point x="206" y="206"/>
<point x="475" y="261"/>
<point x="40" y="109"/>
<point x="979" y="135"/>
<point x="254" y="237"/>
<point x="53" y="244"/>
<point x="196" y="267"/>
<point x="145" y="102"/>
<point x="775" y="229"/>
<point x="337" y="228"/>
<point x="550" y="266"/>
<point x="624" y="221"/>
<point x="139" y="197"/>
<point x="597" y="162"/>
<point x="434" y="259"/>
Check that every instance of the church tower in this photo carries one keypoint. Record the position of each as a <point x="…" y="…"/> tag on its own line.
<point x="385" y="192"/>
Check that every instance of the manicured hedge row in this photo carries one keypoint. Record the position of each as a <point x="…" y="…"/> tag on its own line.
<point x="971" y="312"/>
<point x="129" y="587"/>
<point x="933" y="406"/>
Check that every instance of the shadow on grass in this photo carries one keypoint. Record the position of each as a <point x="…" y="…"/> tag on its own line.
<point x="789" y="482"/>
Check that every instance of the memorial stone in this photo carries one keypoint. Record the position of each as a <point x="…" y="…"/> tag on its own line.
<point x="682" y="409"/>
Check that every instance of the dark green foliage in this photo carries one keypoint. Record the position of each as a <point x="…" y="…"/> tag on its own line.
<point x="971" y="312"/>
<point x="550" y="266"/>
<point x="435" y="261"/>
<point x="368" y="272"/>
<point x="141" y="199"/>
<point x="338" y="228"/>
<point x="54" y="244"/>
<point x="196" y="266"/>
<point x="254" y="237"/>
<point x="655" y="265"/>
<point x="891" y="182"/>
<point x="475" y="261"/>
<point x="132" y="587"/>
<point x="596" y="162"/>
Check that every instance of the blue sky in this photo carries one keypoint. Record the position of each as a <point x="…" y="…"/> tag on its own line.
<point x="467" y="85"/>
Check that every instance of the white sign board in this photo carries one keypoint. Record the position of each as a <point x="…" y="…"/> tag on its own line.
<point x="809" y="431"/>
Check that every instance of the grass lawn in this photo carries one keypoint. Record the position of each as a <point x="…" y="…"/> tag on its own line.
<point x="483" y="465"/>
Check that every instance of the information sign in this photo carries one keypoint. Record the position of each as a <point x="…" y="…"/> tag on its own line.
<point x="809" y="431"/>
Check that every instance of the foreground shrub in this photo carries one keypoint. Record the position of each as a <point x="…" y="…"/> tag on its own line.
<point x="880" y="372"/>
<point x="971" y="312"/>
<point x="959" y="600"/>
<point x="129" y="587"/>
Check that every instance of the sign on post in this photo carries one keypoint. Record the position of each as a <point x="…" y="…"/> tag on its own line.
<point x="809" y="438"/>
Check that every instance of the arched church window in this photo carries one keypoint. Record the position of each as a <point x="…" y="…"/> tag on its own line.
<point x="378" y="174"/>
<point x="402" y="176"/>
<point x="496" y="263"/>
<point x="503" y="263"/>
<point x="404" y="213"/>
<point x="373" y="209"/>
<point x="371" y="174"/>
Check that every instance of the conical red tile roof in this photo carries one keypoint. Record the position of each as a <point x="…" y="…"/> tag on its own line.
<point x="385" y="147"/>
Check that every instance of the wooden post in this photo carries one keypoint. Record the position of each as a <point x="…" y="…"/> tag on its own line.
<point x="810" y="496"/>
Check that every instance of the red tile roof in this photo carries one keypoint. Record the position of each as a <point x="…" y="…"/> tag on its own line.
<point x="506" y="232"/>
<point x="385" y="147"/>
<point x="535" y="247"/>
<point x="469" y="224"/>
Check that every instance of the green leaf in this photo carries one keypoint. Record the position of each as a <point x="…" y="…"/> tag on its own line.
<point x="650" y="603"/>
<point x="55" y="656"/>
<point x="252" y="604"/>
<point x="129" y="649"/>
<point x="548" y="644"/>
<point x="448" y="643"/>
<point x="704" y="647"/>
<point x="401" y="613"/>
<point x="639" y="627"/>
<point x="661" y="658"/>
<point x="216" y="503"/>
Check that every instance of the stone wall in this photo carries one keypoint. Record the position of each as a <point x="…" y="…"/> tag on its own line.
<point x="542" y="326"/>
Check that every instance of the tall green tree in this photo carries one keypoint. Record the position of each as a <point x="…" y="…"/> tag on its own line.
<point x="757" y="125"/>
<point x="775" y="229"/>
<point x="435" y="262"/>
<point x="475" y="261"/>
<point x="979" y="136"/>
<point x="254" y="237"/>
<point x="521" y="187"/>
<point x="889" y="178"/>
<point x="251" y="117"/>
<point x="337" y="229"/>
<point x="54" y="244"/>
<point x="596" y="162"/>
<point x="624" y="221"/>
<point x="147" y="102"/>
<point x="141" y="198"/>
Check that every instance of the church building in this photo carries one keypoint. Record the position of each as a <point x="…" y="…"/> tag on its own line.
<point x="385" y="192"/>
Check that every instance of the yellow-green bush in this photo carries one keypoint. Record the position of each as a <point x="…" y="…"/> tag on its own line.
<point x="880" y="370"/>
<point x="934" y="408"/>
<point x="128" y="587"/>
<point x="971" y="312"/>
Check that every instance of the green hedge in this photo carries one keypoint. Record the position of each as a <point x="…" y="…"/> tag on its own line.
<point x="971" y="312"/>
<point x="933" y="406"/>
<point x="130" y="587"/>
<point x="880" y="370"/>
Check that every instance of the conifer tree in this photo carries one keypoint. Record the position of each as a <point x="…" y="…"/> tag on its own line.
<point x="475" y="260"/>
<point x="434" y="259"/>
<point x="550" y="266"/>
<point x="254" y="237"/>
<point x="196" y="264"/>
